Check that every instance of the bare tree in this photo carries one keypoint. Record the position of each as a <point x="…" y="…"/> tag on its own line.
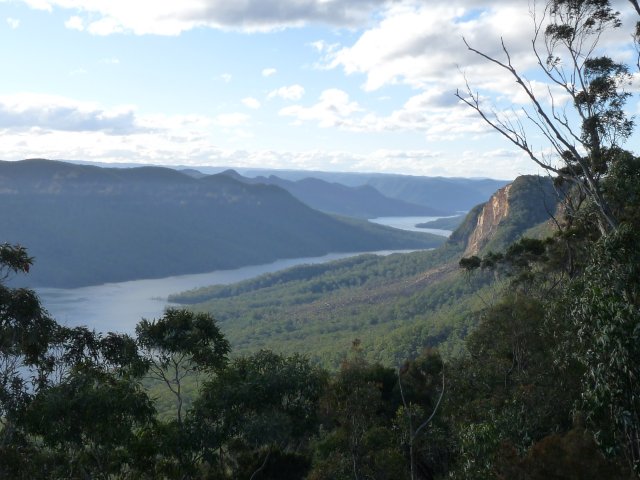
<point x="584" y="133"/>
<point x="414" y="432"/>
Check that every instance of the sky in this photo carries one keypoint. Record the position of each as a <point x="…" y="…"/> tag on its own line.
<point x="332" y="85"/>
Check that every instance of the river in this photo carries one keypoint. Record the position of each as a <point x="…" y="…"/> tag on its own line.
<point x="409" y="223"/>
<point x="117" y="307"/>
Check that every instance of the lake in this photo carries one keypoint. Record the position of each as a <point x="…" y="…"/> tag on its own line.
<point x="118" y="307"/>
<point x="409" y="223"/>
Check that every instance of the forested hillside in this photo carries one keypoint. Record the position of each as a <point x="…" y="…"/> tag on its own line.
<point x="395" y="305"/>
<point x="510" y="352"/>
<point x="89" y="225"/>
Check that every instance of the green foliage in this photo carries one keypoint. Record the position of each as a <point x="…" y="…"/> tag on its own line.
<point x="259" y="405"/>
<point x="26" y="332"/>
<point x="265" y="398"/>
<point x="70" y="404"/>
<point x="89" y="424"/>
<point x="603" y="309"/>
<point x="180" y="344"/>
<point x="396" y="304"/>
<point x="82" y="349"/>
<point x="181" y="332"/>
<point x="14" y="259"/>
<point x="356" y="440"/>
<point x="520" y="262"/>
<point x="509" y="391"/>
<point x="572" y="456"/>
<point x="564" y="341"/>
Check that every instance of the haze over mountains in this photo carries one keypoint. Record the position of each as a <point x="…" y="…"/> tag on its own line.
<point x="439" y="194"/>
<point x="362" y="201"/>
<point x="442" y="194"/>
<point x="87" y="225"/>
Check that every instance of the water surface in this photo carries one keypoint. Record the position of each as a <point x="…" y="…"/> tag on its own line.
<point x="409" y="223"/>
<point x="117" y="307"/>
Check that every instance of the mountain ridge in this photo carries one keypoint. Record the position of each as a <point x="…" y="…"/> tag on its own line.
<point x="87" y="225"/>
<point x="363" y="201"/>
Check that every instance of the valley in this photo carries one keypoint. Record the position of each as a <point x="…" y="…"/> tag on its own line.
<point x="395" y="305"/>
<point x="120" y="306"/>
<point x="320" y="240"/>
<point x="88" y="225"/>
<point x="352" y="322"/>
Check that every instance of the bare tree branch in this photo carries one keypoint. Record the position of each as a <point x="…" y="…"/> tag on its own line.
<point x="553" y="124"/>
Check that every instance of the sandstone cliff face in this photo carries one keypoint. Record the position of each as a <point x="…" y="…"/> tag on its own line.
<point x="493" y="212"/>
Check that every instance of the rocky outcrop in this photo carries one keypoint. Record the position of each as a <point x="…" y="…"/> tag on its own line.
<point x="493" y="212"/>
<point x="524" y="207"/>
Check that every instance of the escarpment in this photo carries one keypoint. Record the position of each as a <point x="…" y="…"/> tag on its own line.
<point x="515" y="208"/>
<point x="493" y="212"/>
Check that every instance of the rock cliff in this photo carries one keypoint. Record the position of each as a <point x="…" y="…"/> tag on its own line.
<point x="526" y="202"/>
<point x="493" y="212"/>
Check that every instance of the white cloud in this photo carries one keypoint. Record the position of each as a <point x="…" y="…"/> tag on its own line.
<point x="57" y="127"/>
<point x="105" y="26"/>
<point x="226" y="77"/>
<point x="232" y="119"/>
<point x="39" y="4"/>
<point x="172" y="18"/>
<point x="435" y="113"/>
<point x="409" y="162"/>
<point x="13" y="23"/>
<point x="268" y="72"/>
<point x="110" y="61"/>
<point x="34" y="125"/>
<point x="291" y="92"/>
<point x="420" y="44"/>
<point x="197" y="150"/>
<point x="47" y="112"/>
<point x="332" y="110"/>
<point x="251" y="102"/>
<point x="75" y="23"/>
<point x="321" y="46"/>
<point x="318" y="45"/>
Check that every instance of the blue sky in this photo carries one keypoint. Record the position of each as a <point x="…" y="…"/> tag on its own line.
<point x="339" y="85"/>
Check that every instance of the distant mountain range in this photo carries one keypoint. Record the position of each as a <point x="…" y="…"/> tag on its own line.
<point x="444" y="194"/>
<point x="441" y="193"/>
<point x="89" y="225"/>
<point x="362" y="201"/>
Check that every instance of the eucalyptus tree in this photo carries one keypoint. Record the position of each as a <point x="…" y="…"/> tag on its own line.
<point x="256" y="416"/>
<point x="180" y="344"/>
<point x="584" y="133"/>
<point x="25" y="335"/>
<point x="593" y="315"/>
